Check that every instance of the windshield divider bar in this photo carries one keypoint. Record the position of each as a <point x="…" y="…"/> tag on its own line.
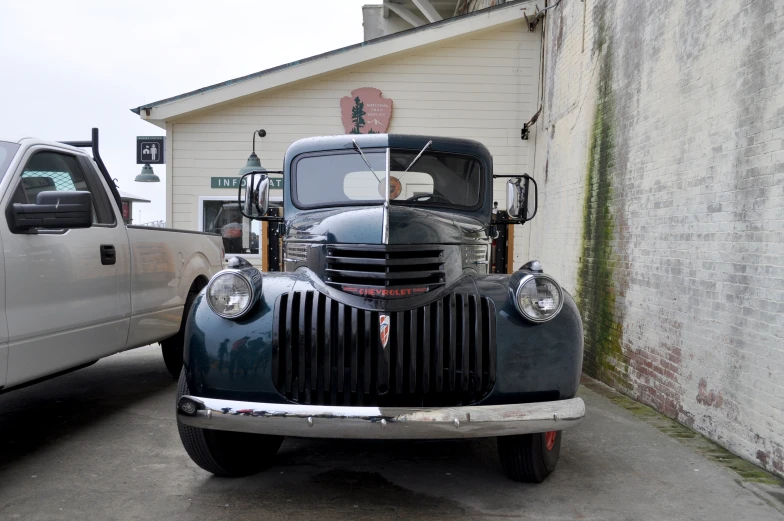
<point x="385" y="233"/>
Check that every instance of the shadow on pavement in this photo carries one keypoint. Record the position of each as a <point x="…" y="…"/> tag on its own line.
<point x="382" y="479"/>
<point x="35" y="417"/>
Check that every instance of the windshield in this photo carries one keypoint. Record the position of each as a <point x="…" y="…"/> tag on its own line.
<point x="7" y="151"/>
<point x="435" y="179"/>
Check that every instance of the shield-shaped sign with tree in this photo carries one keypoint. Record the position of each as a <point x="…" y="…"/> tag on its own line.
<point x="366" y="112"/>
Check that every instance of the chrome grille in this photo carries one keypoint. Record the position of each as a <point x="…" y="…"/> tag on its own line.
<point x="295" y="252"/>
<point x="328" y="353"/>
<point x="475" y="254"/>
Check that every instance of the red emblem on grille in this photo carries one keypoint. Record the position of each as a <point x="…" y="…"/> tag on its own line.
<point x="384" y="324"/>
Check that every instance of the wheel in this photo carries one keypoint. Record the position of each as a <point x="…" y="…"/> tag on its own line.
<point x="529" y="458"/>
<point x="224" y="453"/>
<point x="172" y="350"/>
<point x="173" y="347"/>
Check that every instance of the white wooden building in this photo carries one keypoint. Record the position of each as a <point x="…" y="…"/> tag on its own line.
<point x="473" y="76"/>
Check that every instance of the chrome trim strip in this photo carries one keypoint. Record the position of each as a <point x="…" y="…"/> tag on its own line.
<point x="385" y="231"/>
<point x="382" y="423"/>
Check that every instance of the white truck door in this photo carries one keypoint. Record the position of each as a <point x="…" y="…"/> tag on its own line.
<point x="67" y="291"/>
<point x="3" y="323"/>
<point x="7" y="152"/>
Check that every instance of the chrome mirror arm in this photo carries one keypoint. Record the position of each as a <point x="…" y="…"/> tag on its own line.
<point x="357" y="147"/>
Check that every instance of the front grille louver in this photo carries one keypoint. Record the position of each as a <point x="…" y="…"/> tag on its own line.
<point x="328" y="353"/>
<point x="384" y="267"/>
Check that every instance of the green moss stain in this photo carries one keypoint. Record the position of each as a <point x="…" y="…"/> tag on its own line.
<point x="596" y="298"/>
<point x="700" y="444"/>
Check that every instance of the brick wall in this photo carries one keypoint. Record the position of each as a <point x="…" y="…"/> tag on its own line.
<point x="660" y="157"/>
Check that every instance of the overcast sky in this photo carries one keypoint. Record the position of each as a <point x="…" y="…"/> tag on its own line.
<point x="68" y="66"/>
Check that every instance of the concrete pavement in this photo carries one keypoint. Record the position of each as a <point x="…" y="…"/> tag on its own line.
<point x="101" y="444"/>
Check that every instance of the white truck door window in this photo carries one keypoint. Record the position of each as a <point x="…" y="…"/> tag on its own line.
<point x="66" y="306"/>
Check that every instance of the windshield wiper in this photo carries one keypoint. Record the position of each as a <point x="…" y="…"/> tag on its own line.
<point x="427" y="145"/>
<point x="365" y="159"/>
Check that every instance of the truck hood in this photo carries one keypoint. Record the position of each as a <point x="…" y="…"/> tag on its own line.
<point x="364" y="225"/>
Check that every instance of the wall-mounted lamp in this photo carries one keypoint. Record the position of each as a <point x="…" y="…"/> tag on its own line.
<point x="147" y="175"/>
<point x="253" y="160"/>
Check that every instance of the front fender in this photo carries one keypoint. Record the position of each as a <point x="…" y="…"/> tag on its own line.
<point x="231" y="358"/>
<point x="196" y="266"/>
<point x="535" y="362"/>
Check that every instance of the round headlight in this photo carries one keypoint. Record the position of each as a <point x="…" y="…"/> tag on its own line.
<point x="230" y="294"/>
<point x="538" y="298"/>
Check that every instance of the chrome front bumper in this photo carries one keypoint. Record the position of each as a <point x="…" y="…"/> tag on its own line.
<point x="380" y="423"/>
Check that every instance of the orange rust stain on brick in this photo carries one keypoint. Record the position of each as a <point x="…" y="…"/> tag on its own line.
<point x="763" y="457"/>
<point x="709" y="398"/>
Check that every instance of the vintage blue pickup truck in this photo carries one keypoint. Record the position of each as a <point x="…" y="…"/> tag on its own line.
<point x="385" y="323"/>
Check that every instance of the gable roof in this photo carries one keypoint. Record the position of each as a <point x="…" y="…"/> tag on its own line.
<point x="159" y="112"/>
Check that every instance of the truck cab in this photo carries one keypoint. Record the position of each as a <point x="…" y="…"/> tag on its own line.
<point x="76" y="283"/>
<point x="385" y="322"/>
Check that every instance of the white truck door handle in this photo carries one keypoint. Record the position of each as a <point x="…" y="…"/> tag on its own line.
<point x="108" y="254"/>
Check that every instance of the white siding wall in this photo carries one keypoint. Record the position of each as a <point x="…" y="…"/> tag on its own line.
<point x="483" y="86"/>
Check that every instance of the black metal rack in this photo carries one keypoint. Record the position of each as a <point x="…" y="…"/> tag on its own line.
<point x="93" y="144"/>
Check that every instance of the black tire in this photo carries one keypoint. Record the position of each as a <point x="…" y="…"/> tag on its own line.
<point x="526" y="457"/>
<point x="173" y="348"/>
<point x="224" y="453"/>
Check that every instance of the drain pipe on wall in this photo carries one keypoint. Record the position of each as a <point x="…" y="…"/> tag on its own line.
<point x="532" y="23"/>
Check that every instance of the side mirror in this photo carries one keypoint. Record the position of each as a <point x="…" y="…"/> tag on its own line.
<point x="518" y="193"/>
<point x="256" y="202"/>
<point x="514" y="197"/>
<point x="54" y="210"/>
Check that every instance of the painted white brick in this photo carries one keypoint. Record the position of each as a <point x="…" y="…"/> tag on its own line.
<point x="695" y="181"/>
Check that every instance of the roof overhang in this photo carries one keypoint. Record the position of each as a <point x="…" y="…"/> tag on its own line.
<point x="125" y="196"/>
<point x="184" y="105"/>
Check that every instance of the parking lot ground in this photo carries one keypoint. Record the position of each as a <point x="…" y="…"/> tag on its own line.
<point x="101" y="444"/>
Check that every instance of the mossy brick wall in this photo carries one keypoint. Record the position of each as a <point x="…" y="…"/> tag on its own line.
<point x="660" y="157"/>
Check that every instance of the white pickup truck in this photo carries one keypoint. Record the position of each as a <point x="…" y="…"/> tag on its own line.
<point x="76" y="283"/>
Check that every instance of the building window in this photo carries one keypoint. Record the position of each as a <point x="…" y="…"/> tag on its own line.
<point x="240" y="235"/>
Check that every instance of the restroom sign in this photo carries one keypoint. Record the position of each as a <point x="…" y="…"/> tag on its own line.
<point x="150" y="150"/>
